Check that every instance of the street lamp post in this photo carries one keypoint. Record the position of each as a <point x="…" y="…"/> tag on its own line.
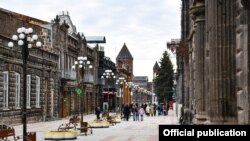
<point x="119" y="83"/>
<point x="108" y="75"/>
<point x="130" y="86"/>
<point x="26" y="40"/>
<point x="83" y="64"/>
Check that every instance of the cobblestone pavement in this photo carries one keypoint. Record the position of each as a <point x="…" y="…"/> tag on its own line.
<point x="146" y="130"/>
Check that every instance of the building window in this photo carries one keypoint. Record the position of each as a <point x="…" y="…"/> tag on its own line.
<point x="17" y="90"/>
<point x="59" y="61"/>
<point x="37" y="91"/>
<point x="52" y="97"/>
<point x="28" y="90"/>
<point x="5" y="89"/>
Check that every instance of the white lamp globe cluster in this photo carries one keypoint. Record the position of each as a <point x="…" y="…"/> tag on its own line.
<point x="25" y="34"/>
<point x="82" y="63"/>
<point x="108" y="74"/>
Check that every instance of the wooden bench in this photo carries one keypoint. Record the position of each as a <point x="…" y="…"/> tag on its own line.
<point x="7" y="132"/>
<point x="111" y="120"/>
<point x="31" y="136"/>
<point x="67" y="126"/>
<point x="105" y="114"/>
<point x="84" y="128"/>
<point x="74" y="120"/>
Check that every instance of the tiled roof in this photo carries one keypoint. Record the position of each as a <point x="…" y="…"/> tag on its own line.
<point x="124" y="53"/>
<point x="156" y="66"/>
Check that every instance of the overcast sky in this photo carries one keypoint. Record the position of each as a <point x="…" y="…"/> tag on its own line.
<point x="144" y="25"/>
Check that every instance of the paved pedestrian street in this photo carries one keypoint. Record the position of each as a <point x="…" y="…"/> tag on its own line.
<point x="146" y="130"/>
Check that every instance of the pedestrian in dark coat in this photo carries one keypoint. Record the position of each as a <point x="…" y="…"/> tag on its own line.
<point x="97" y="112"/>
<point x="126" y="112"/>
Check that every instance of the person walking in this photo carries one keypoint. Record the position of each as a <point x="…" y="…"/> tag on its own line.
<point x="151" y="110"/>
<point x="164" y="110"/>
<point x="158" y="110"/>
<point x="141" y="113"/>
<point x="97" y="112"/>
<point x="137" y="113"/>
<point x="134" y="111"/>
<point x="154" y="110"/>
<point x="126" y="112"/>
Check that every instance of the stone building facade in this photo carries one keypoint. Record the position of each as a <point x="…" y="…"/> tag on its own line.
<point x="213" y="74"/>
<point x="142" y="90"/>
<point x="70" y="45"/>
<point x="42" y="78"/>
<point x="109" y="89"/>
<point x="51" y="79"/>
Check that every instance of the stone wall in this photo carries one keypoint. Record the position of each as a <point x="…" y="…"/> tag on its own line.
<point x="216" y="77"/>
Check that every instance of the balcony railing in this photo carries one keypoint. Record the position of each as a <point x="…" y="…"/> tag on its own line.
<point x="68" y="74"/>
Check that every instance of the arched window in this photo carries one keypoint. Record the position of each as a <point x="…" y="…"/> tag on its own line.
<point x="17" y="90"/>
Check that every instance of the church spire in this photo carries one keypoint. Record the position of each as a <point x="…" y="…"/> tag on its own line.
<point x="124" y="53"/>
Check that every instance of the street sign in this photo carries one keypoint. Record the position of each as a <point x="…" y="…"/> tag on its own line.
<point x="79" y="90"/>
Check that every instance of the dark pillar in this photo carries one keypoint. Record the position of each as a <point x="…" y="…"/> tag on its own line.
<point x="100" y="98"/>
<point x="221" y="43"/>
<point x="242" y="59"/>
<point x="198" y="15"/>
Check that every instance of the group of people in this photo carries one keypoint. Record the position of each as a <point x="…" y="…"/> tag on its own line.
<point x="145" y="109"/>
<point x="162" y="109"/>
<point x="137" y="111"/>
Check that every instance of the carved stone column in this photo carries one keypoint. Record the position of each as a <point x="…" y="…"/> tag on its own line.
<point x="242" y="63"/>
<point x="190" y="110"/>
<point x="206" y="66"/>
<point x="198" y="13"/>
<point x="186" y="31"/>
<point x="222" y="47"/>
<point x="187" y="70"/>
<point x="242" y="60"/>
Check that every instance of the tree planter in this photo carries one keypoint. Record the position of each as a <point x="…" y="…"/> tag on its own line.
<point x="99" y="124"/>
<point x="60" y="135"/>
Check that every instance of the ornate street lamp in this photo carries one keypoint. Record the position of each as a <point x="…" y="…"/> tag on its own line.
<point x="108" y="75"/>
<point x="119" y="83"/>
<point x="83" y="64"/>
<point x="26" y="40"/>
<point x="130" y="85"/>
